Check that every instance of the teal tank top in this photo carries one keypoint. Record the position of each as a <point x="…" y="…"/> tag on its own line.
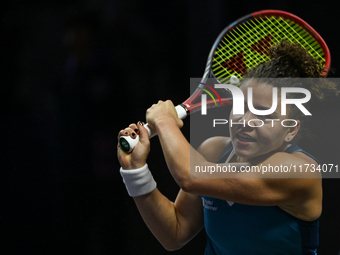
<point x="238" y="229"/>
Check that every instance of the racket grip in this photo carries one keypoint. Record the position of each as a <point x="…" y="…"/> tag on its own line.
<point x="127" y="143"/>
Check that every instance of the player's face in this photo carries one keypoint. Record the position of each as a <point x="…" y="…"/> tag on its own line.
<point x="250" y="141"/>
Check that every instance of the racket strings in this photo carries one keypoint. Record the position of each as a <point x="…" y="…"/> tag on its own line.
<point x="238" y="41"/>
<point x="237" y="44"/>
<point x="246" y="45"/>
<point x="299" y="35"/>
<point x="263" y="43"/>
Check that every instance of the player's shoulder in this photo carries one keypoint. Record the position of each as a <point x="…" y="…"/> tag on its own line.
<point x="212" y="148"/>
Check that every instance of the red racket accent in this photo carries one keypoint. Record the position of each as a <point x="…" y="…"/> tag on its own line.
<point x="213" y="90"/>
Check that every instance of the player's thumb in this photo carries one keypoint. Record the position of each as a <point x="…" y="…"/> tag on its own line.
<point x="143" y="134"/>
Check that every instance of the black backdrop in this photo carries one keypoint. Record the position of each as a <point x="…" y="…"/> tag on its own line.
<point x="73" y="73"/>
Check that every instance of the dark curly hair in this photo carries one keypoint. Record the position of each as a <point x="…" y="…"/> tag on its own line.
<point x="289" y="60"/>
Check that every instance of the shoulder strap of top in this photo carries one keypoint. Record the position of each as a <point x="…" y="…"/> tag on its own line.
<point x="226" y="153"/>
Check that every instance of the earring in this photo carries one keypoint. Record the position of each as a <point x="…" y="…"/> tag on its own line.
<point x="288" y="138"/>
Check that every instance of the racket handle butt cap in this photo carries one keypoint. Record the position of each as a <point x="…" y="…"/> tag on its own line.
<point x="127" y="143"/>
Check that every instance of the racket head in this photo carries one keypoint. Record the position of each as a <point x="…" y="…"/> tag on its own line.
<point x="244" y="44"/>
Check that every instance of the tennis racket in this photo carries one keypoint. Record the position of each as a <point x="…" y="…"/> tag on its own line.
<point x="240" y="47"/>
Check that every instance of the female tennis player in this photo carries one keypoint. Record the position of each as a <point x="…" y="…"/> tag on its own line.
<point x="241" y="215"/>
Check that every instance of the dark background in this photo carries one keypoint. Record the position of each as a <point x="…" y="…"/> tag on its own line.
<point x="72" y="74"/>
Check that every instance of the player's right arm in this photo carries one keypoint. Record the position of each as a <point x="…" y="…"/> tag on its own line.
<point x="172" y="223"/>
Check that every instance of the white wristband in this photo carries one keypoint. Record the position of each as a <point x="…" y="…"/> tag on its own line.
<point x="138" y="181"/>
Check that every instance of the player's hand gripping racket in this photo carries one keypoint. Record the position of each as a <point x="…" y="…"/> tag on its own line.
<point x="243" y="45"/>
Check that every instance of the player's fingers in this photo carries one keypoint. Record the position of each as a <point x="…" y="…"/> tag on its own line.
<point x="132" y="132"/>
<point x="134" y="127"/>
<point x="143" y="134"/>
<point x="123" y="132"/>
<point x="169" y="102"/>
<point x="179" y="123"/>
